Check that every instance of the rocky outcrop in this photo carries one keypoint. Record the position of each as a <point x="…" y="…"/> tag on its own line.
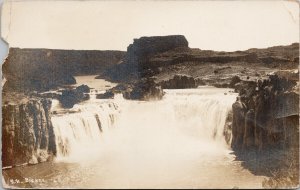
<point x="69" y="97"/>
<point x="265" y="128"/>
<point x="27" y="133"/>
<point x="145" y="90"/>
<point x="266" y="115"/>
<point x="106" y="95"/>
<point x="179" y="82"/>
<point x="44" y="69"/>
<point x="83" y="88"/>
<point x="143" y="48"/>
<point x="137" y="63"/>
<point x="164" y="56"/>
<point x="283" y="56"/>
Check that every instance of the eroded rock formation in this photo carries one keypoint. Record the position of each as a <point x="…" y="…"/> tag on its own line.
<point x="265" y="128"/>
<point x="179" y="82"/>
<point x="69" y="97"/>
<point x="266" y="115"/>
<point x="27" y="133"/>
<point x="137" y="63"/>
<point x="146" y="89"/>
<point x="144" y="48"/>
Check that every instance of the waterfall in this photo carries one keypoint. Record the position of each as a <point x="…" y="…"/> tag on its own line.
<point x="201" y="112"/>
<point x="79" y="131"/>
<point x="183" y="118"/>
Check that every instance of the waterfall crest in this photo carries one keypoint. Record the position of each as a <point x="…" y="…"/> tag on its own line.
<point x="80" y="133"/>
<point x="201" y="112"/>
<point x="189" y="117"/>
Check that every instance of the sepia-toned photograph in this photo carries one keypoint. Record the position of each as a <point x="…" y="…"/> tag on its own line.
<point x="150" y="94"/>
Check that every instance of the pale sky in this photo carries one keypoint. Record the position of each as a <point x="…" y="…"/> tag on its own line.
<point x="106" y="25"/>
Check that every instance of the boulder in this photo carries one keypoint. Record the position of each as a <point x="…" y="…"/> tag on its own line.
<point x="83" y="88"/>
<point x="234" y="81"/>
<point x="33" y="160"/>
<point x="179" y="82"/>
<point x="107" y="95"/>
<point x="42" y="156"/>
<point x="70" y="97"/>
<point x="146" y="89"/>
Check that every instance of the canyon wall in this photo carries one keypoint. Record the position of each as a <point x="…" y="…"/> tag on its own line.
<point x="27" y="132"/>
<point x="266" y="113"/>
<point x="265" y="128"/>
<point x="44" y="69"/>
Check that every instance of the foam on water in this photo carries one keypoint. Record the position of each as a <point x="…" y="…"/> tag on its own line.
<point x="176" y="142"/>
<point x="196" y="116"/>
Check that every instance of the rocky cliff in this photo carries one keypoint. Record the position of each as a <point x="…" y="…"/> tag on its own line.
<point x="137" y="62"/>
<point x="142" y="49"/>
<point x="265" y="128"/>
<point x="27" y="133"/>
<point x="163" y="57"/>
<point x="44" y="69"/>
<point x="266" y="113"/>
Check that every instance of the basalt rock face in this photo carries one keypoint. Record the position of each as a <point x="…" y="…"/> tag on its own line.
<point x="27" y="133"/>
<point x="44" y="69"/>
<point x="165" y="56"/>
<point x="143" y="48"/>
<point x="146" y="89"/>
<point x="106" y="95"/>
<point x="179" y="82"/>
<point x="266" y="114"/>
<point x="137" y="63"/>
<point x="69" y="97"/>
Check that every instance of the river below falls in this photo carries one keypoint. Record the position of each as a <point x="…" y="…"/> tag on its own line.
<point x="177" y="142"/>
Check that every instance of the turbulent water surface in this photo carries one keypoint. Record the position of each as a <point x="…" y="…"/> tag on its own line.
<point x="177" y="142"/>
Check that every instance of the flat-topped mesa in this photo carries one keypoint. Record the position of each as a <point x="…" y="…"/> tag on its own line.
<point x="140" y="51"/>
<point x="137" y="63"/>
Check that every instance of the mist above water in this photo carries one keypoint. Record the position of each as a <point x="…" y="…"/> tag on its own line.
<point x="193" y="117"/>
<point x="172" y="143"/>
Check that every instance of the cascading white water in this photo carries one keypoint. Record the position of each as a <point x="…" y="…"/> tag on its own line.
<point x="198" y="114"/>
<point x="201" y="112"/>
<point x="78" y="134"/>
<point x="176" y="142"/>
